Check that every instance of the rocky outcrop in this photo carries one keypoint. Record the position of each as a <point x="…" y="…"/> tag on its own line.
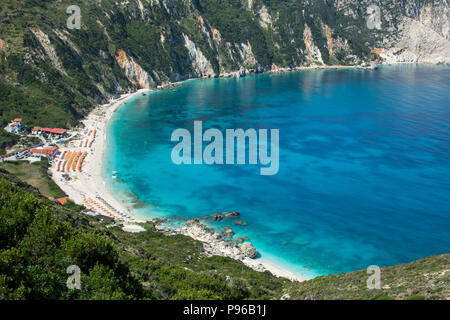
<point x="134" y="72"/>
<point x="313" y="54"/>
<point x="201" y="66"/>
<point x="206" y="30"/>
<point x="414" y="31"/>
<point x="436" y="16"/>
<point x="64" y="37"/>
<point x="265" y="20"/>
<point x="48" y="49"/>
<point x="247" y="56"/>
<point x="232" y="214"/>
<point x="214" y="244"/>
<point x="241" y="239"/>
<point x="217" y="37"/>
<point x="329" y="39"/>
<point x="2" y="44"/>
<point x="248" y="250"/>
<point x="218" y="216"/>
<point x="228" y="232"/>
<point x="417" y="43"/>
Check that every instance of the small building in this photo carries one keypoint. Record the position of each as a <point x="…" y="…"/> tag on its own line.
<point x="47" y="151"/>
<point x="63" y="200"/>
<point x="52" y="131"/>
<point x="15" y="126"/>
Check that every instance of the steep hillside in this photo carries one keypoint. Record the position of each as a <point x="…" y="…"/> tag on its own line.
<point x="52" y="75"/>
<point x="39" y="239"/>
<point x="424" y="279"/>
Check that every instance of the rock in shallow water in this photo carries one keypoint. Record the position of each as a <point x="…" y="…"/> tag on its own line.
<point x="232" y="214"/>
<point x="217" y="216"/>
<point x="248" y="250"/>
<point x="228" y="232"/>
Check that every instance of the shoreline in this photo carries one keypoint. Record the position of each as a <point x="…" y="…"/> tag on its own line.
<point x="89" y="183"/>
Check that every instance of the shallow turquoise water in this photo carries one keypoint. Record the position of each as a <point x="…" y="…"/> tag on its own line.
<point x="364" y="163"/>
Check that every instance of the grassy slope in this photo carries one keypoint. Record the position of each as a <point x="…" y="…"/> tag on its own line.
<point x="34" y="174"/>
<point x="427" y="278"/>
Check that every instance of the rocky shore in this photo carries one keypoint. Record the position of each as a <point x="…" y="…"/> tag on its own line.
<point x="244" y="72"/>
<point x="218" y="244"/>
<point x="215" y="244"/>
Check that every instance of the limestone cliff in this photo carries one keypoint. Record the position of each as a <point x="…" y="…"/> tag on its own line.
<point x="134" y="72"/>
<point x="200" y="65"/>
<point x="421" y="35"/>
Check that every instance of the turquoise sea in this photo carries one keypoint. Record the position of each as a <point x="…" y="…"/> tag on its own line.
<point x="364" y="175"/>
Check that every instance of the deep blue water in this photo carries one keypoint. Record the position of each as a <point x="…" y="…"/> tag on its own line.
<point x="364" y="174"/>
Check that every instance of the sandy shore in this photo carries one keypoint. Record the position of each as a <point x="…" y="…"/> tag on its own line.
<point x="280" y="272"/>
<point x="89" y="184"/>
<point x="262" y="264"/>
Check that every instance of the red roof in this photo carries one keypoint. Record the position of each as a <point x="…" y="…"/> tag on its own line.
<point x="13" y="124"/>
<point x="17" y="120"/>
<point x="62" y="201"/>
<point x="47" y="151"/>
<point x="55" y="130"/>
<point x="50" y="130"/>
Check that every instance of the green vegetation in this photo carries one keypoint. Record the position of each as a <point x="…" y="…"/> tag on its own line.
<point x="37" y="247"/>
<point x="7" y="139"/>
<point x="34" y="174"/>
<point x="424" y="279"/>
<point x="39" y="239"/>
<point x="57" y="83"/>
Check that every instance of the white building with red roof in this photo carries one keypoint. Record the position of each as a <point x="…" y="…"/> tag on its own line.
<point x="53" y="131"/>
<point x="15" y="126"/>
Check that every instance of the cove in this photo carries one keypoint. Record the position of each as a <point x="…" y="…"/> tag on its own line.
<point x="364" y="163"/>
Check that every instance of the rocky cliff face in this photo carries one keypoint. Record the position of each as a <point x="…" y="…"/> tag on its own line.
<point x="200" y="64"/>
<point x="126" y="45"/>
<point x="420" y="35"/>
<point x="134" y="72"/>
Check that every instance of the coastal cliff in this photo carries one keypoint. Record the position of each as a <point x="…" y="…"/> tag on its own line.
<point x="421" y="35"/>
<point x="53" y="73"/>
